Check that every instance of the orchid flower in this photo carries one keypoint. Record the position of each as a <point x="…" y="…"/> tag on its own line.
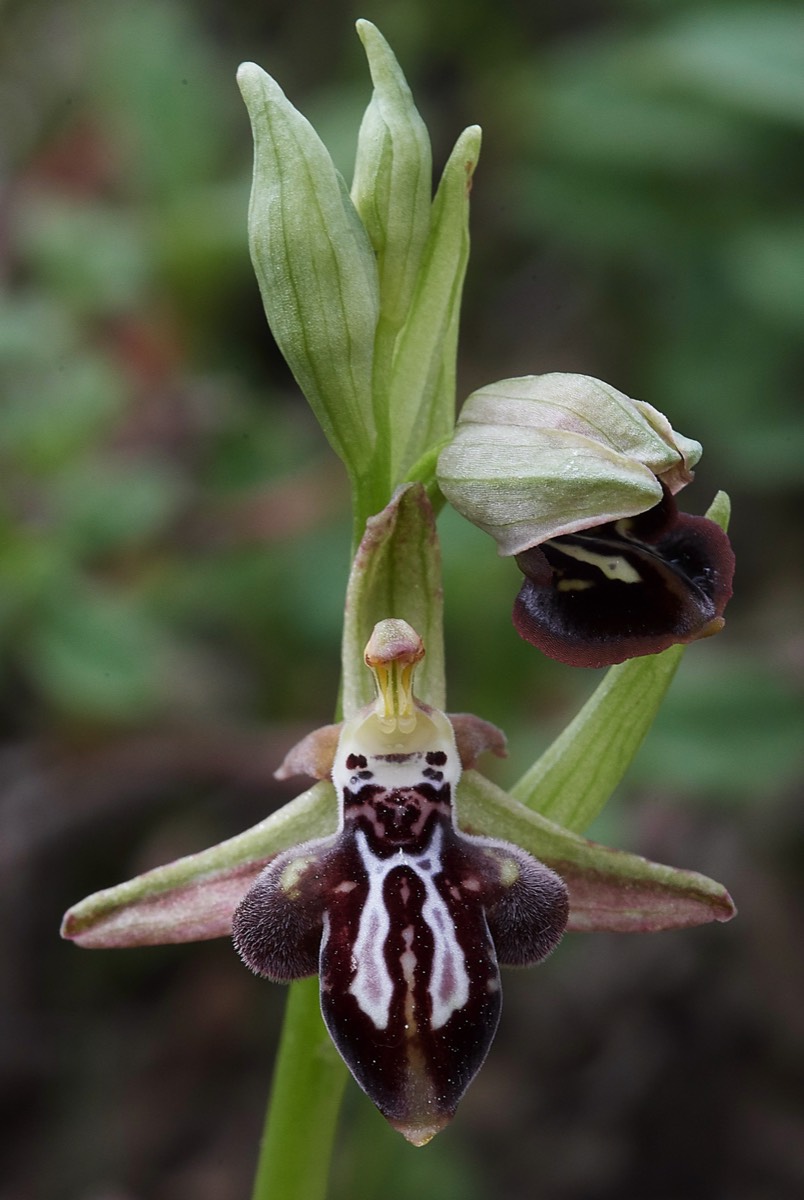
<point x="405" y="917"/>
<point x="577" y="481"/>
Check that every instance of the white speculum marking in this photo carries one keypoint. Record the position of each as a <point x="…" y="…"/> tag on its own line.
<point x="372" y="986"/>
<point x="612" y="566"/>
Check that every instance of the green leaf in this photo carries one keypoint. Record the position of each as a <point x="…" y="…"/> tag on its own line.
<point x="193" y="898"/>
<point x="610" y="890"/>
<point x="421" y="397"/>
<point x="575" y="777"/>
<point x="749" y="57"/>
<point x="315" y="267"/>
<point x="94" y="257"/>
<point x="104" y="505"/>
<point x="54" y="409"/>
<point x="396" y="573"/>
<point x="98" y="654"/>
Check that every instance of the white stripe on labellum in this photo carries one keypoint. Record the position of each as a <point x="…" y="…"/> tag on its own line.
<point x="372" y="986"/>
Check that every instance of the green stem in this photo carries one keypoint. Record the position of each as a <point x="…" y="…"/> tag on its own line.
<point x="369" y="497"/>
<point x="424" y="471"/>
<point x="303" y="1109"/>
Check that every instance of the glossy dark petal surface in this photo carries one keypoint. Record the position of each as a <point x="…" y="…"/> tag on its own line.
<point x="410" y="989"/>
<point x="626" y="588"/>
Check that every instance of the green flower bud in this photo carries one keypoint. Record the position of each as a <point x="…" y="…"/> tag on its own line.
<point x="421" y="396"/>
<point x="315" y="267"/>
<point x="545" y="455"/>
<point x="392" y="184"/>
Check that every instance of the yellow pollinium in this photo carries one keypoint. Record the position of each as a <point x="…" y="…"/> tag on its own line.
<point x="392" y="653"/>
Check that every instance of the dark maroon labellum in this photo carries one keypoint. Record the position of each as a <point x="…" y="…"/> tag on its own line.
<point x="406" y="919"/>
<point x="626" y="588"/>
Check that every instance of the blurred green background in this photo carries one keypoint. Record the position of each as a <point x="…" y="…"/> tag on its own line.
<point x="174" y="546"/>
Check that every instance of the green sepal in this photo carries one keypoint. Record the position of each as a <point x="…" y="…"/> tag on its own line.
<point x="544" y="455"/>
<point x="719" y="510"/>
<point x="610" y="890"/>
<point x="193" y="898"/>
<point x="396" y="573"/>
<point x="315" y="267"/>
<point x="577" y="774"/>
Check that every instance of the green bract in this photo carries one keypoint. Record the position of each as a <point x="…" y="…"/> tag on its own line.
<point x="392" y="183"/>
<point x="546" y="455"/>
<point x="315" y="267"/>
<point x="363" y="294"/>
<point x="421" y="397"/>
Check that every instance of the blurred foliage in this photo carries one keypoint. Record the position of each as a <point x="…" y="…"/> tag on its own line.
<point x="173" y="533"/>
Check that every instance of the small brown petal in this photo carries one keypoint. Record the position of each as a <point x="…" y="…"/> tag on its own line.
<point x="313" y="755"/>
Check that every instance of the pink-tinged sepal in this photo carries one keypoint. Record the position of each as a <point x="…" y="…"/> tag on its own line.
<point x="277" y="925"/>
